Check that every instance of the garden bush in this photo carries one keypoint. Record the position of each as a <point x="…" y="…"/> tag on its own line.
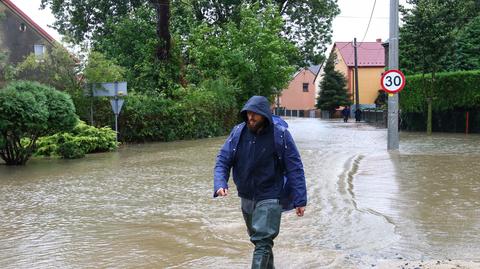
<point x="70" y="150"/>
<point x="454" y="94"/>
<point x="451" y="90"/>
<point x="204" y="111"/>
<point x="83" y="139"/>
<point x="29" y="110"/>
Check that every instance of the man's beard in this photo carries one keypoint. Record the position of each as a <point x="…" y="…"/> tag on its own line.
<point x="256" y="127"/>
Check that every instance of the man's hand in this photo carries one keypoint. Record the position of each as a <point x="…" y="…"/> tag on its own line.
<point x="222" y="192"/>
<point x="300" y="211"/>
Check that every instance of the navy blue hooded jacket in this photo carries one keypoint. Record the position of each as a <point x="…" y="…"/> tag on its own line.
<point x="272" y="169"/>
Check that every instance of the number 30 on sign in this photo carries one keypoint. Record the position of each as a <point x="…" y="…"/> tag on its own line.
<point x="393" y="81"/>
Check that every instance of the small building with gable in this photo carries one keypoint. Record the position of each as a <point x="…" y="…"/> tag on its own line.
<point x="299" y="98"/>
<point x="371" y="65"/>
<point x="20" y="35"/>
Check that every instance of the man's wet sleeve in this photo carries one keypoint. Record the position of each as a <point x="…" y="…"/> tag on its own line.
<point x="294" y="172"/>
<point x="223" y="164"/>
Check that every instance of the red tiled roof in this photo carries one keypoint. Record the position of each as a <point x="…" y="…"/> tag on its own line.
<point x="29" y="21"/>
<point x="369" y="53"/>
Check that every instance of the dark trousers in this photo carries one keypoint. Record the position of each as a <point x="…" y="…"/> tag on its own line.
<point x="263" y="225"/>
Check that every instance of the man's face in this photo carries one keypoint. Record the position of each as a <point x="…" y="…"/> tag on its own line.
<point x="255" y="121"/>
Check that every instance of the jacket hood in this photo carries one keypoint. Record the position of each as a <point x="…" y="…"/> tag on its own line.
<point x="259" y="105"/>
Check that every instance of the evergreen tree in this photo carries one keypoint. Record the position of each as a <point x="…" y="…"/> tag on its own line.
<point x="333" y="88"/>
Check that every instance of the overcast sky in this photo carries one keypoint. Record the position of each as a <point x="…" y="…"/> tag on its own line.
<point x="352" y="22"/>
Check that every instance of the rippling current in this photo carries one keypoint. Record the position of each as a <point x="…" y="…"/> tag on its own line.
<point x="151" y="205"/>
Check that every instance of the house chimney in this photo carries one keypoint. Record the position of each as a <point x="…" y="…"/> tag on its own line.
<point x="379" y="40"/>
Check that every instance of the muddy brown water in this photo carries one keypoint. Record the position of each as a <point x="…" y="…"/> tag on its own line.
<point x="150" y="206"/>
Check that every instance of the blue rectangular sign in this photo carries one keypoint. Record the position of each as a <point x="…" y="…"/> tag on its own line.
<point x="109" y="89"/>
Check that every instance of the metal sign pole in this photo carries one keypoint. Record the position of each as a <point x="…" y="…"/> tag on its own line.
<point x="116" y="125"/>
<point x="116" y="111"/>
<point x="393" y="137"/>
<point x="114" y="90"/>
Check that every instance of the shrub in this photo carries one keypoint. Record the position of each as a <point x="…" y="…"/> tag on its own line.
<point x="29" y="110"/>
<point x="81" y="140"/>
<point x="71" y="150"/>
<point x="207" y="110"/>
<point x="454" y="93"/>
<point x="58" y="69"/>
<point x="452" y="90"/>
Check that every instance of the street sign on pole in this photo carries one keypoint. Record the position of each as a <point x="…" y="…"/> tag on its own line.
<point x="393" y="81"/>
<point x="117" y="104"/>
<point x="110" y="89"/>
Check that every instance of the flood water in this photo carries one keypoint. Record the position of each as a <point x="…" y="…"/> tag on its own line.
<point x="151" y="205"/>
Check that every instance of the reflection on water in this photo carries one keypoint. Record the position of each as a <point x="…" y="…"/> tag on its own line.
<point x="150" y="206"/>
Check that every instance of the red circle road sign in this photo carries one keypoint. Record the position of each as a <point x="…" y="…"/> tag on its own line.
<point x="393" y="81"/>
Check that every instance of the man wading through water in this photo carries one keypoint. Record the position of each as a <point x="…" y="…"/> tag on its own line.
<point x="268" y="173"/>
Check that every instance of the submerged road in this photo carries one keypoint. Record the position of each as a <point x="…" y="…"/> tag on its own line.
<point x="150" y="206"/>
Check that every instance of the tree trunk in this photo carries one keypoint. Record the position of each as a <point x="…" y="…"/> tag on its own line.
<point x="429" y="116"/>
<point x="162" y="9"/>
<point x="13" y="153"/>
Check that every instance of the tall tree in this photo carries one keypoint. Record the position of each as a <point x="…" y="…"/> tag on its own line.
<point x="308" y="23"/>
<point x="80" y="20"/>
<point x="138" y="55"/>
<point x="423" y="20"/>
<point x="333" y="88"/>
<point x="162" y="9"/>
<point x="467" y="46"/>
<point x="427" y="38"/>
<point x="250" y="53"/>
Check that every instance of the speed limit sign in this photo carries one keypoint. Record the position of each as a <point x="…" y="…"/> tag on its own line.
<point x="393" y="81"/>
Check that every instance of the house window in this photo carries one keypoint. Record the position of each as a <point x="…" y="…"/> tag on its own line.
<point x="39" y="51"/>
<point x="22" y="27"/>
<point x="305" y="87"/>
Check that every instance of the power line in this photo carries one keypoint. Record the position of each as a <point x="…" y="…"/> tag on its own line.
<point x="348" y="43"/>
<point x="369" y="21"/>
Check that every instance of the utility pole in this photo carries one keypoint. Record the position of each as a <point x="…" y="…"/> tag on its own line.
<point x="393" y="137"/>
<point x="357" y="97"/>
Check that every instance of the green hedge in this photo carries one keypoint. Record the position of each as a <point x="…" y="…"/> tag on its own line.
<point x="201" y="113"/>
<point x="451" y="91"/>
<point x="81" y="140"/>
